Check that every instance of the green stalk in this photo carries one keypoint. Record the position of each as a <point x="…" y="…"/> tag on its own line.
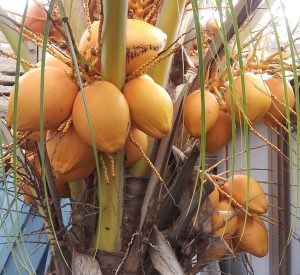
<point x="113" y="70"/>
<point x="202" y="158"/>
<point x="114" y="42"/>
<point x="169" y="22"/>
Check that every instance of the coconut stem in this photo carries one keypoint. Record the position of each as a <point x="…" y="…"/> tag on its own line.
<point x="169" y="22"/>
<point x="113" y="64"/>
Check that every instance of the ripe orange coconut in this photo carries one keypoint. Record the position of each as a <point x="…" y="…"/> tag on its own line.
<point x="35" y="21"/>
<point x="35" y="18"/>
<point x="59" y="96"/>
<point x="76" y="174"/>
<point x="109" y="115"/>
<point x="132" y="153"/>
<point x="252" y="237"/>
<point x="144" y="41"/>
<point x="257" y="202"/>
<point x="151" y="108"/>
<point x="192" y="112"/>
<point x="258" y="98"/>
<point x="52" y="61"/>
<point x="220" y="134"/>
<point x="68" y="152"/>
<point x="276" y="86"/>
<point x="224" y="212"/>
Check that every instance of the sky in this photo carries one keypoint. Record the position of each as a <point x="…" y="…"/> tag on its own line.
<point x="13" y="5"/>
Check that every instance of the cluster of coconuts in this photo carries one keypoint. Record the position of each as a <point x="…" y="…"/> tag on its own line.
<point x="258" y="97"/>
<point x="36" y="18"/>
<point x="246" y="233"/>
<point x="259" y="103"/>
<point x="218" y="124"/>
<point x="143" y="108"/>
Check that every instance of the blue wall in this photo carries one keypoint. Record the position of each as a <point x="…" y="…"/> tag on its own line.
<point x="37" y="256"/>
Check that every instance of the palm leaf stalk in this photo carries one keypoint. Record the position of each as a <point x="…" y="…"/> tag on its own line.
<point x="202" y="159"/>
<point x="113" y="70"/>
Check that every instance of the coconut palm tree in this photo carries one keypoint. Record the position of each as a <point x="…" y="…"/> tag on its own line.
<point x="122" y="118"/>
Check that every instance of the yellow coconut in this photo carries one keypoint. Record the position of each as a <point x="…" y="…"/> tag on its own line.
<point x="276" y="86"/>
<point x="258" y="98"/>
<point x="35" y="21"/>
<point x="214" y="197"/>
<point x="68" y="152"/>
<point x="52" y="61"/>
<point x="76" y="174"/>
<point x="59" y="96"/>
<point x="144" y="41"/>
<point x="220" y="134"/>
<point x="192" y="112"/>
<point x="257" y="202"/>
<point x="224" y="212"/>
<point x="132" y="153"/>
<point x="252" y="237"/>
<point x="88" y="46"/>
<point x="151" y="108"/>
<point x="35" y="18"/>
<point x="109" y="115"/>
